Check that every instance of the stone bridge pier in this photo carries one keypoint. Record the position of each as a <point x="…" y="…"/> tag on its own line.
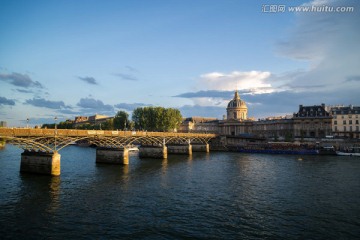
<point x="183" y="149"/>
<point x="40" y="162"/>
<point x="112" y="155"/>
<point x="150" y="151"/>
<point x="200" y="147"/>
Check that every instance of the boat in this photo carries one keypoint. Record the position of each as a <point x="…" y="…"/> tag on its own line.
<point x="327" y="150"/>
<point x="351" y="151"/>
<point x="276" y="148"/>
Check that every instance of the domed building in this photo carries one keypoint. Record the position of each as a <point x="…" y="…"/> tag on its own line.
<point x="237" y="108"/>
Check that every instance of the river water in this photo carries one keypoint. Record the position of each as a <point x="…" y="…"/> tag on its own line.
<point x="206" y="196"/>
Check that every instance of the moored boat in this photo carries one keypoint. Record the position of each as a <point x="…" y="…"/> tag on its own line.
<point x="327" y="150"/>
<point x="352" y="151"/>
<point x="277" y="148"/>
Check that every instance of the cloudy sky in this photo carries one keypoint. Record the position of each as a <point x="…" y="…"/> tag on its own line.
<point x="68" y="58"/>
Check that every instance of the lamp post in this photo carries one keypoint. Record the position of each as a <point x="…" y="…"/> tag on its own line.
<point x="55" y="131"/>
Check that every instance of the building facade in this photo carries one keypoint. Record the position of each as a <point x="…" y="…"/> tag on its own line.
<point x="237" y="109"/>
<point x="312" y="122"/>
<point x="345" y="121"/>
<point x="309" y="122"/>
<point x="94" y="120"/>
<point x="199" y="124"/>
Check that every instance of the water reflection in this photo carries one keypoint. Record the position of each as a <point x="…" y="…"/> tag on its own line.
<point x="54" y="192"/>
<point x="217" y="195"/>
<point x="164" y="165"/>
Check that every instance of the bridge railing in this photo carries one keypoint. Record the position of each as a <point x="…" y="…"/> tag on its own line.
<point x="24" y="132"/>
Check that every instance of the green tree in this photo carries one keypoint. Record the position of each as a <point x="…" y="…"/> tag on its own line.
<point x="156" y="118"/>
<point x="121" y="120"/>
<point x="108" y="125"/>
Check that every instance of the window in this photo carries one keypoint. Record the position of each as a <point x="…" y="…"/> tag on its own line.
<point x="357" y="121"/>
<point x="350" y="128"/>
<point x="335" y="128"/>
<point x="350" y="121"/>
<point x="335" y="122"/>
<point x="350" y="116"/>
<point x="344" y="128"/>
<point x="357" y="128"/>
<point x="342" y="116"/>
<point x="344" y="122"/>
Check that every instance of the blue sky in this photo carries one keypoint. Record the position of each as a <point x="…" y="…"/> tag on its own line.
<point x="69" y="58"/>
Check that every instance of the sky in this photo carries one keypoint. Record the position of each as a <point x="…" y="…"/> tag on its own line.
<point x="72" y="58"/>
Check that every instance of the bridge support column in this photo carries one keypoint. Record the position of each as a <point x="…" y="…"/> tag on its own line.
<point x="200" y="147"/>
<point x="153" y="152"/>
<point x="40" y="162"/>
<point x="112" y="155"/>
<point x="185" y="149"/>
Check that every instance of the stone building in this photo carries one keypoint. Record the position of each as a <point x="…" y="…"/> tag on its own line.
<point x="309" y="122"/>
<point x="276" y="128"/>
<point x="312" y="122"/>
<point x="200" y="124"/>
<point x="237" y="122"/>
<point x="237" y="108"/>
<point x="93" y="120"/>
<point x="345" y="121"/>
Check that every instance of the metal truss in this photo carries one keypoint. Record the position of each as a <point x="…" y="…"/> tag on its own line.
<point x="56" y="143"/>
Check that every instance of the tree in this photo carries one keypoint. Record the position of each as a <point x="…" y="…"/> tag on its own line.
<point x="121" y="120"/>
<point x="156" y="118"/>
<point x="108" y="125"/>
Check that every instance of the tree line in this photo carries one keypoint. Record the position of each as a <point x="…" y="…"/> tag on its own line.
<point x="143" y="118"/>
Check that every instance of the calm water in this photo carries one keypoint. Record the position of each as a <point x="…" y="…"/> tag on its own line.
<point x="207" y="196"/>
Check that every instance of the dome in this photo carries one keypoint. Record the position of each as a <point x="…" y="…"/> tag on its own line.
<point x="236" y="102"/>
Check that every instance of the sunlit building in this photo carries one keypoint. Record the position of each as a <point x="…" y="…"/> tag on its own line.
<point x="345" y="121"/>
<point x="312" y="122"/>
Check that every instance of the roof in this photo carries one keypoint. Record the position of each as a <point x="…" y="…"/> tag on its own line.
<point x="236" y="102"/>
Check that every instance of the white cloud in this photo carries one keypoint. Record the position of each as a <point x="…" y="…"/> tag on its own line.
<point x="252" y="80"/>
<point x="330" y="42"/>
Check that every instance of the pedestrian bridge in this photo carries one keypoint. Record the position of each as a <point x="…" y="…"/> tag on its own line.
<point x="41" y="146"/>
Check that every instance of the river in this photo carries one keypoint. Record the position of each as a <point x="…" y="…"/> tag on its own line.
<point x="219" y="195"/>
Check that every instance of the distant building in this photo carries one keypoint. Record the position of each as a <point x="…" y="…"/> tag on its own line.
<point x="94" y="120"/>
<point x="200" y="124"/>
<point x="3" y="124"/>
<point x="345" y="121"/>
<point x="309" y="122"/>
<point x="277" y="128"/>
<point x="312" y="122"/>
<point x="237" y="108"/>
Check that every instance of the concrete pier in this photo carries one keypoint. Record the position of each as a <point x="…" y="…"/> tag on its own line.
<point x="112" y="155"/>
<point x="200" y="147"/>
<point x="153" y="152"/>
<point x="40" y="162"/>
<point x="185" y="149"/>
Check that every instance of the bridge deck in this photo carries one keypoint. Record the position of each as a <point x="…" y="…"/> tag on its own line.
<point x="30" y="132"/>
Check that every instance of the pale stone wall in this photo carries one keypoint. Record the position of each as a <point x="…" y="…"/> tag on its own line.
<point x="112" y="155"/>
<point x="42" y="163"/>
<point x="180" y="149"/>
<point x="153" y="152"/>
<point x="200" y="148"/>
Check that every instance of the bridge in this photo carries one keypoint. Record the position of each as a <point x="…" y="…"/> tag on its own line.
<point x="41" y="146"/>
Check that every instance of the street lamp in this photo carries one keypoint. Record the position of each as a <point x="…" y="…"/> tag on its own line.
<point x="55" y="131"/>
